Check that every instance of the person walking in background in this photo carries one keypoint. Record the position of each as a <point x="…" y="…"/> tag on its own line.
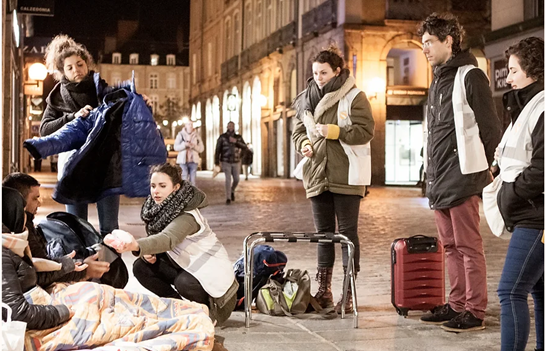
<point x="189" y="145"/>
<point x="318" y="136"/>
<point x="520" y="198"/>
<point x="247" y="160"/>
<point x="228" y="151"/>
<point x="463" y="131"/>
<point x="181" y="256"/>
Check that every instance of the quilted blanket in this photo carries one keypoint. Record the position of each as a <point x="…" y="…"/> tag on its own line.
<point x="109" y="319"/>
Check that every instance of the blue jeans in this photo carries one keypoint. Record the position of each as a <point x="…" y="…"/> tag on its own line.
<point x="108" y="213"/>
<point x="189" y="171"/>
<point x="522" y="274"/>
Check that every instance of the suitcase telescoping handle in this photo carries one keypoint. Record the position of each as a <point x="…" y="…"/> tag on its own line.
<point x="421" y="244"/>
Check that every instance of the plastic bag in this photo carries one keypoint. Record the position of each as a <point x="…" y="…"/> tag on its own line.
<point x="13" y="333"/>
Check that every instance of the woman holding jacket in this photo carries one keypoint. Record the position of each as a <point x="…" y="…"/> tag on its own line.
<point x="520" y="199"/>
<point x="318" y="136"/>
<point x="181" y="256"/>
<point x="78" y="92"/>
<point x="189" y="145"/>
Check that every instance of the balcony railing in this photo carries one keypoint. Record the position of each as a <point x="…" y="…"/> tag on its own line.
<point x="320" y="17"/>
<point x="274" y="42"/>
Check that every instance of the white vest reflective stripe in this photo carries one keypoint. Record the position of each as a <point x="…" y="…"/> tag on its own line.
<point x="471" y="152"/>
<point x="204" y="257"/>
<point x="516" y="144"/>
<point x="359" y="156"/>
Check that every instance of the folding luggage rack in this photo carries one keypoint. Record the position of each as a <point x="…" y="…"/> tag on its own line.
<point x="256" y="238"/>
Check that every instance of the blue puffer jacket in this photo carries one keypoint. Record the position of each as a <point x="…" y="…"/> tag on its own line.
<point x="115" y="147"/>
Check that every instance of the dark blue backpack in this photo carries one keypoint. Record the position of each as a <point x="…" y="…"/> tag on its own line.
<point x="267" y="262"/>
<point x="65" y="232"/>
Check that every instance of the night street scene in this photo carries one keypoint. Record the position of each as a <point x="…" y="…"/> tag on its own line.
<point x="251" y="175"/>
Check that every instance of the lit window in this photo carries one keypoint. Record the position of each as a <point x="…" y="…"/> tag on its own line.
<point x="133" y="59"/>
<point x="154" y="60"/>
<point x="154" y="103"/>
<point x="116" y="58"/>
<point x="171" y="60"/>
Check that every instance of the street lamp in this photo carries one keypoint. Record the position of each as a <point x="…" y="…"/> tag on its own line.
<point x="36" y="74"/>
<point x="376" y="85"/>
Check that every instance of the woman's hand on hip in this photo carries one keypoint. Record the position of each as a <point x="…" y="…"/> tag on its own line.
<point x="84" y="112"/>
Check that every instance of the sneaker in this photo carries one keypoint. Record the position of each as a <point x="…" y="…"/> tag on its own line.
<point x="228" y="202"/>
<point x="464" y="322"/>
<point x="232" y="196"/>
<point x="439" y="315"/>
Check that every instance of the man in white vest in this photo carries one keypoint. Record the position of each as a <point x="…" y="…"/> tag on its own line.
<point x="463" y="132"/>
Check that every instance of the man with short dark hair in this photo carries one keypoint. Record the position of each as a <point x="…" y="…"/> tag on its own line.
<point x="228" y="150"/>
<point x="463" y="132"/>
<point x="29" y="187"/>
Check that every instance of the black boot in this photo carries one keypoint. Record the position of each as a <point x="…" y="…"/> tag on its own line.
<point x="324" y="296"/>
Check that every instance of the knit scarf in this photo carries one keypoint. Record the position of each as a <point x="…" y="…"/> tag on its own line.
<point x="158" y="216"/>
<point x="75" y="96"/>
<point x="312" y="95"/>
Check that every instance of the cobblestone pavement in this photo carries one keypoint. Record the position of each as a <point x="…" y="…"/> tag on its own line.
<point x="386" y="214"/>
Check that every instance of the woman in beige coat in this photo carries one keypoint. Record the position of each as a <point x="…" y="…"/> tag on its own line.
<point x="189" y="145"/>
<point x="318" y="136"/>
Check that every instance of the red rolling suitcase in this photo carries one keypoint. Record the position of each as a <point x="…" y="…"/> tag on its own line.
<point x="418" y="274"/>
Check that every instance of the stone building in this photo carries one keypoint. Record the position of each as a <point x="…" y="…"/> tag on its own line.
<point x="512" y="20"/>
<point x="160" y="71"/>
<point x="250" y="58"/>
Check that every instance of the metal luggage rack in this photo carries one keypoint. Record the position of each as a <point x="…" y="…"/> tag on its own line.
<point x="252" y="240"/>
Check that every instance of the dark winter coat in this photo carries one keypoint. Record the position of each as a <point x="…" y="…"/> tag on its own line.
<point x="115" y="147"/>
<point x="521" y="202"/>
<point x="227" y="151"/>
<point x="18" y="277"/>
<point x="447" y="187"/>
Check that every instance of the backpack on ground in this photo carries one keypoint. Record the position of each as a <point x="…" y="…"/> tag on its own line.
<point x="267" y="262"/>
<point x="65" y="233"/>
<point x="287" y="296"/>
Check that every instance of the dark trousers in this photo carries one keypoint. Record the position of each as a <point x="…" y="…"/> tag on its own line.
<point x="330" y="209"/>
<point x="163" y="274"/>
<point x="522" y="275"/>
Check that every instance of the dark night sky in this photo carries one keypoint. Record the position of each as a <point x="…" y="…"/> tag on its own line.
<point x="90" y="20"/>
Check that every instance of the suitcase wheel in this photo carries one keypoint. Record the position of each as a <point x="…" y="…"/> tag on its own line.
<point x="402" y="312"/>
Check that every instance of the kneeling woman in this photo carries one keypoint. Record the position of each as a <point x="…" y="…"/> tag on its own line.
<point x="181" y="250"/>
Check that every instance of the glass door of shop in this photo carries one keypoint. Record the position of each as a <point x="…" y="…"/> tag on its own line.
<point x="403" y="152"/>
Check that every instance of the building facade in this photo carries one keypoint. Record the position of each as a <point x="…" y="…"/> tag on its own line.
<point x="250" y="58"/>
<point x="160" y="71"/>
<point x="512" y="20"/>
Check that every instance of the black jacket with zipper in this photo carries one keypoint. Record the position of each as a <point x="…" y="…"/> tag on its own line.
<point x="447" y="187"/>
<point x="226" y="151"/>
<point x="521" y="202"/>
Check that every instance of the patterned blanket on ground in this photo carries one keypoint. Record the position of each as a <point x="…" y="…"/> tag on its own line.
<point x="109" y="319"/>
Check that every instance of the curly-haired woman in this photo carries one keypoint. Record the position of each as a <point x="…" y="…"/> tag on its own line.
<point x="520" y="199"/>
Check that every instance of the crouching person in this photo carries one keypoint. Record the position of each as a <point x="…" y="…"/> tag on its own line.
<point x="180" y="250"/>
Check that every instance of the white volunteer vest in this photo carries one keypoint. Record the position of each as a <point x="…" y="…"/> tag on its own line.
<point x="516" y="144"/>
<point x="470" y="147"/>
<point x="359" y="156"/>
<point x="205" y="258"/>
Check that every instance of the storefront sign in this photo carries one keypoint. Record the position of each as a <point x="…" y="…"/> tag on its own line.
<point x="36" y="7"/>
<point x="405" y="92"/>
<point x="500" y="75"/>
<point x="35" y="46"/>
